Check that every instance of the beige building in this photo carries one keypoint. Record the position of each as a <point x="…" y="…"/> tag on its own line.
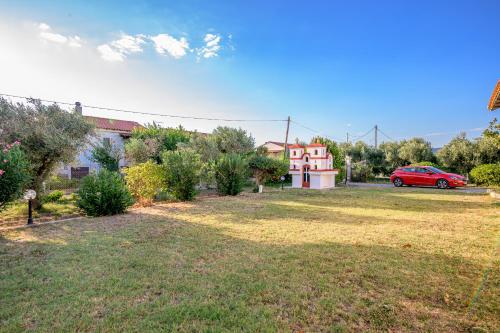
<point x="274" y="149"/>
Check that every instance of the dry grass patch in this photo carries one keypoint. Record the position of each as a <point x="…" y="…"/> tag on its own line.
<point x="340" y="260"/>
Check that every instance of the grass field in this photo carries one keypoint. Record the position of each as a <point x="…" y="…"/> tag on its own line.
<point x="342" y="260"/>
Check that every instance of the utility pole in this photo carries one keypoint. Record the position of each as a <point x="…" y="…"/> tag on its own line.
<point x="347" y="137"/>
<point x="285" y="153"/>
<point x="376" y="130"/>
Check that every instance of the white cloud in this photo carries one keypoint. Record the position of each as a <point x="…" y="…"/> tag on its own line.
<point x="118" y="50"/>
<point x="110" y="54"/>
<point x="129" y="44"/>
<point x="47" y="34"/>
<point x="211" y="48"/>
<point x="75" y="41"/>
<point x="43" y="26"/>
<point x="166" y="43"/>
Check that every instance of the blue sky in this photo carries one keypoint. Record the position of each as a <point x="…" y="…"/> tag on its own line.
<point x="421" y="68"/>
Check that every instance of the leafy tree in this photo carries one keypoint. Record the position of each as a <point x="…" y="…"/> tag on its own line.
<point x="415" y="150"/>
<point x="49" y="135"/>
<point x="182" y="173"/>
<point x="161" y="138"/>
<point x="375" y="159"/>
<point x="357" y="151"/>
<point x="230" y="173"/>
<point x="266" y="168"/>
<point x="140" y="150"/>
<point x="14" y="173"/>
<point x="204" y="145"/>
<point x="488" y="146"/>
<point x="103" y="193"/>
<point x="391" y="153"/>
<point x="233" y="140"/>
<point x="107" y="156"/>
<point x="458" y="154"/>
<point x="145" y="181"/>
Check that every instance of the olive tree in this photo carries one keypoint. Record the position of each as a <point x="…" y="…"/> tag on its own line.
<point x="49" y="135"/>
<point x="458" y="154"/>
<point x="415" y="150"/>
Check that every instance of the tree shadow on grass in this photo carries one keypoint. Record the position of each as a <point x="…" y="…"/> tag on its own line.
<point x="150" y="271"/>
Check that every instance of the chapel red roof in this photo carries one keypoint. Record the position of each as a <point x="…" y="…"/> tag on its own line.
<point x="316" y="145"/>
<point x="113" y="124"/>
<point x="295" y="146"/>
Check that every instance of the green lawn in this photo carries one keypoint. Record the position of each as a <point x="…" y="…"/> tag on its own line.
<point x="342" y="260"/>
<point x="19" y="210"/>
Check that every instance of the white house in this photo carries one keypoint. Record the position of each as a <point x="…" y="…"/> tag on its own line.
<point x="113" y="130"/>
<point x="311" y="167"/>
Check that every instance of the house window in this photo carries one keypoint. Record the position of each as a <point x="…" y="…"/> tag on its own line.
<point x="294" y="153"/>
<point x="316" y="167"/>
<point x="106" y="141"/>
<point x="315" y="152"/>
<point x="294" y="167"/>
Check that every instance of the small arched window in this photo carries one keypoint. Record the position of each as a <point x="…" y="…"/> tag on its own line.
<point x="316" y="166"/>
<point x="315" y="152"/>
<point x="294" y="153"/>
<point x="307" y="159"/>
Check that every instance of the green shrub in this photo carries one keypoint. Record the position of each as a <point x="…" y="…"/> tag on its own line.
<point x="230" y="174"/>
<point x="107" y="156"/>
<point x="486" y="174"/>
<point x="14" y="173"/>
<point x="182" y="173"/>
<point x="427" y="163"/>
<point x="266" y="168"/>
<point x="360" y="172"/>
<point x="60" y="183"/>
<point x="104" y="193"/>
<point x="145" y="181"/>
<point x="53" y="196"/>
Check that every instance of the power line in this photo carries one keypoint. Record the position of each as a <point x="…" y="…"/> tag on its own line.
<point x="387" y="136"/>
<point x="150" y="113"/>
<point x="362" y="136"/>
<point x="313" y="130"/>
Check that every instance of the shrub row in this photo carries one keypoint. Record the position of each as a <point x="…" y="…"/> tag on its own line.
<point x="486" y="174"/>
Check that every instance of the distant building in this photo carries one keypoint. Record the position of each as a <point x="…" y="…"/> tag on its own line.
<point x="114" y="131"/>
<point x="311" y="166"/>
<point x="274" y="148"/>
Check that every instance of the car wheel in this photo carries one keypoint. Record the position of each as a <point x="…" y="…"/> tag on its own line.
<point x="398" y="182"/>
<point x="442" y="184"/>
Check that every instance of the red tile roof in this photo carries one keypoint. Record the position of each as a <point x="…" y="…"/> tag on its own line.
<point x="282" y="144"/>
<point x="495" y="98"/>
<point x="295" y="146"/>
<point x="316" y="145"/>
<point x="113" y="124"/>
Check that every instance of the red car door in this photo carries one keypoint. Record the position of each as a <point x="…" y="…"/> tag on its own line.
<point x="419" y="177"/>
<point x="409" y="177"/>
<point x="423" y="177"/>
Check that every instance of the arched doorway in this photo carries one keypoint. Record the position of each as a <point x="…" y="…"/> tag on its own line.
<point x="306" y="177"/>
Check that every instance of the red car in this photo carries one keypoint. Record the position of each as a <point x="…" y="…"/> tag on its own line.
<point x="426" y="176"/>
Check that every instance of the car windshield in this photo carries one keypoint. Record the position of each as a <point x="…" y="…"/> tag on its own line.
<point x="436" y="170"/>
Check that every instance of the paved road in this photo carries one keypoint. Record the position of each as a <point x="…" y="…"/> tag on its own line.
<point x="385" y="185"/>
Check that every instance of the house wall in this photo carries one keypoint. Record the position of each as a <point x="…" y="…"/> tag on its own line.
<point x="83" y="158"/>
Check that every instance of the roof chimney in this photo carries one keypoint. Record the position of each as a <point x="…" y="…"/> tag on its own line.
<point x="78" y="108"/>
